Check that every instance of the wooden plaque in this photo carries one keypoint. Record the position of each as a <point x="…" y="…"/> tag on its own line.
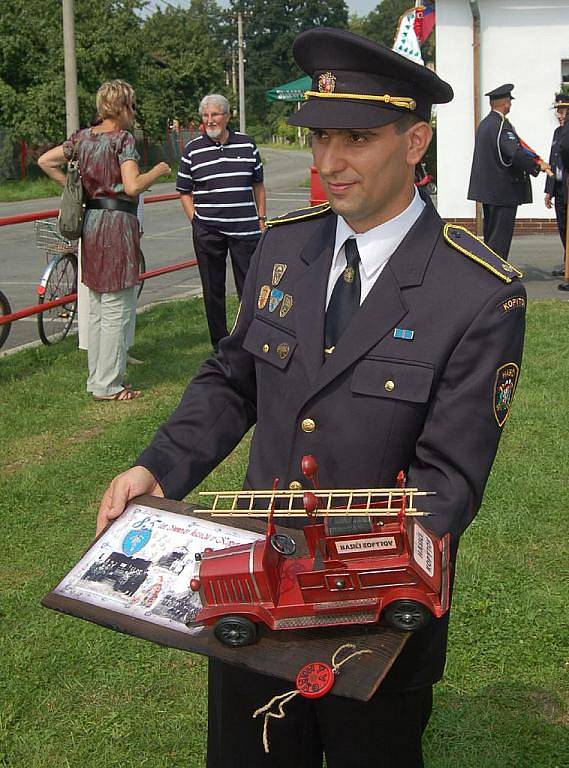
<point x="278" y="653"/>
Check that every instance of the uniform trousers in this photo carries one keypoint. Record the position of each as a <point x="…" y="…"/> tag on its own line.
<point x="211" y="249"/>
<point x="499" y="221"/>
<point x="561" y="216"/>
<point x="384" y="732"/>
<point x="111" y="324"/>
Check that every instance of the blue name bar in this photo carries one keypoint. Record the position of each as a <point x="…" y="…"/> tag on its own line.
<point x="403" y="333"/>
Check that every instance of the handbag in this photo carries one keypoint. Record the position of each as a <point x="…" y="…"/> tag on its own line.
<point x="72" y="206"/>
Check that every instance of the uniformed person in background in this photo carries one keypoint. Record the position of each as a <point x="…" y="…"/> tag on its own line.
<point x="374" y="337"/>
<point x="500" y="166"/>
<point x="556" y="184"/>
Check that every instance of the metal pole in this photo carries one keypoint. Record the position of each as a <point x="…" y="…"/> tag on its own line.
<point x="71" y="100"/>
<point x="476" y="83"/>
<point x="233" y="72"/>
<point x="241" y="72"/>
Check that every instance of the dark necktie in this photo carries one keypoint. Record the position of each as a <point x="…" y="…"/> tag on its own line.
<point x="345" y="298"/>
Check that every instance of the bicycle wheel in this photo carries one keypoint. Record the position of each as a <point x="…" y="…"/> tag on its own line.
<point x="141" y="269"/>
<point x="5" y="309"/>
<point x="59" y="279"/>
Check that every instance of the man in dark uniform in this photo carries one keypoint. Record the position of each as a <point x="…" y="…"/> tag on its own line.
<point x="556" y="192"/>
<point x="374" y="337"/>
<point x="500" y="167"/>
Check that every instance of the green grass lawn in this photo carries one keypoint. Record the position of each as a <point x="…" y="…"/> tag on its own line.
<point x="38" y="188"/>
<point x="75" y="695"/>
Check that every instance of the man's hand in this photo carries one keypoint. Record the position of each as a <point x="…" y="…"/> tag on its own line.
<point x="545" y="167"/>
<point x="548" y="203"/>
<point x="125" y="487"/>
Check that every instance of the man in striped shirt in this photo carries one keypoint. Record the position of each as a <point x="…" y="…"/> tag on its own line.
<point x="222" y="192"/>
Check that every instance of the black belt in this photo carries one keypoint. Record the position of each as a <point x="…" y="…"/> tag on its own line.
<point x="112" y="204"/>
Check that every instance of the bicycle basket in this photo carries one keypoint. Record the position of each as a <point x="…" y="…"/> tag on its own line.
<point x="50" y="240"/>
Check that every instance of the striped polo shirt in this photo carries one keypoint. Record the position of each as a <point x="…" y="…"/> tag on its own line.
<point x="220" y="178"/>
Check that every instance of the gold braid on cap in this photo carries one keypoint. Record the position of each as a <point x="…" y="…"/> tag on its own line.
<point x="561" y="104"/>
<point x="397" y="101"/>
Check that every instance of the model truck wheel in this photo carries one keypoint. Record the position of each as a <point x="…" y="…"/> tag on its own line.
<point x="407" y="615"/>
<point x="235" y="631"/>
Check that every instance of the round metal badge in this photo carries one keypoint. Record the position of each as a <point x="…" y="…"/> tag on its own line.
<point x="315" y="679"/>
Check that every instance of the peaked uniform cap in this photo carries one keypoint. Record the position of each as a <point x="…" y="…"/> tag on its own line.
<point x="561" y="100"/>
<point x="501" y="91"/>
<point x="357" y="83"/>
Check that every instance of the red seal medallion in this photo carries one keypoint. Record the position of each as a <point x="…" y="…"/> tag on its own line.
<point x="315" y="679"/>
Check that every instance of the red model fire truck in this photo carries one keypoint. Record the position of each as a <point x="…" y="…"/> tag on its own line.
<point x="368" y="555"/>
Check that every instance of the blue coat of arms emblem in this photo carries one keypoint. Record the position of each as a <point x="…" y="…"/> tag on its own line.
<point x="135" y="540"/>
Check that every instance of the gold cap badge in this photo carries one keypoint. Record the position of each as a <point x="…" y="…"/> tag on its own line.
<point x="326" y="83"/>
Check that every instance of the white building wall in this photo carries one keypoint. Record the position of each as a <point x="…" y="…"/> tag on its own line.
<point x="522" y="42"/>
<point x="455" y="121"/>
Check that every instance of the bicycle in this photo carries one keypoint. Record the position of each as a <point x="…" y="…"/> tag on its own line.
<point x="60" y="279"/>
<point x="5" y="309"/>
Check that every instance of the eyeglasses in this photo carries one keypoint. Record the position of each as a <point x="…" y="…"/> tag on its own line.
<point x="213" y="115"/>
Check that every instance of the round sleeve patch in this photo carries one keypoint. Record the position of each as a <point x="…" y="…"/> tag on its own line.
<point x="504" y="388"/>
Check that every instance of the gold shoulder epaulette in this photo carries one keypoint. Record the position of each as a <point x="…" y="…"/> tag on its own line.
<point x="473" y="247"/>
<point x="304" y="213"/>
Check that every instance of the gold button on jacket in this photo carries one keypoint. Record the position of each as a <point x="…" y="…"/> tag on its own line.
<point x="308" y="425"/>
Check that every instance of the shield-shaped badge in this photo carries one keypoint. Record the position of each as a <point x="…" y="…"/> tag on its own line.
<point x="275" y="300"/>
<point x="504" y="388"/>
<point x="264" y="294"/>
<point x="136" y="540"/>
<point x="286" y="305"/>
<point x="278" y="272"/>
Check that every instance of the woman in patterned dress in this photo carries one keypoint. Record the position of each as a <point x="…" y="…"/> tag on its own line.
<point x="110" y="241"/>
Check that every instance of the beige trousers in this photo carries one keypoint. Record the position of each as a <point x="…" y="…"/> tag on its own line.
<point x="112" y="317"/>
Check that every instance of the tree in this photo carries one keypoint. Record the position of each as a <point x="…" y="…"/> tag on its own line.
<point x="270" y="29"/>
<point x="180" y="62"/>
<point x="32" y="83"/>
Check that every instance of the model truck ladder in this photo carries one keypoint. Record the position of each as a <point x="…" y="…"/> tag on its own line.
<point x="355" y="502"/>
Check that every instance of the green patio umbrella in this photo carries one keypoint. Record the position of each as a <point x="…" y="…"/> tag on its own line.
<point x="293" y="91"/>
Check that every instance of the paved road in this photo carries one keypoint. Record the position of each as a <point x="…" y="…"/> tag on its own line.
<point x="167" y="241"/>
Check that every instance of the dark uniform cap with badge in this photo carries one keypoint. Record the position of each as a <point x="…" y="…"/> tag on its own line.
<point x="360" y="84"/>
<point x="501" y="92"/>
<point x="561" y="100"/>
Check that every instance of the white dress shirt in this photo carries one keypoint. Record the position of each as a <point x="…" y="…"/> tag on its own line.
<point x="375" y="246"/>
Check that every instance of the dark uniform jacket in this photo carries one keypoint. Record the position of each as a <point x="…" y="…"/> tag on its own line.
<point x="500" y="165"/>
<point x="432" y="406"/>
<point x="563" y="140"/>
<point x="556" y="185"/>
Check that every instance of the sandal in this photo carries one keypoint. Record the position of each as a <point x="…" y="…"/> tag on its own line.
<point x="123" y="396"/>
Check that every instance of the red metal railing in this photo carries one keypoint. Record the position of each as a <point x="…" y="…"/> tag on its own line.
<point x="37" y="308"/>
<point x="23" y="218"/>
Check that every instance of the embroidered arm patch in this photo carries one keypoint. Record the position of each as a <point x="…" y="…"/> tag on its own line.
<point x="504" y="389"/>
<point x="514" y="302"/>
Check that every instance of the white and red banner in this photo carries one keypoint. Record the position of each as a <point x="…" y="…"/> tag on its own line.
<point x="414" y="27"/>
